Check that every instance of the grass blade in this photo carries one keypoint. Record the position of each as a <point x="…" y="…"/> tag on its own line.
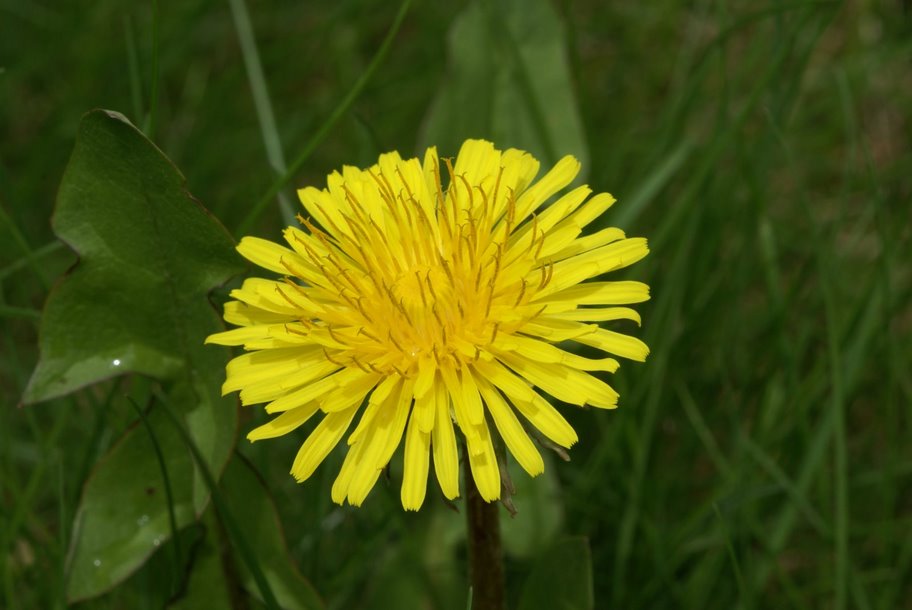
<point x="30" y="258"/>
<point x="261" y="99"/>
<point x="169" y="496"/>
<point x="133" y="68"/>
<point x="153" y="89"/>
<point x="328" y="124"/>
<point x="231" y="525"/>
<point x="9" y="311"/>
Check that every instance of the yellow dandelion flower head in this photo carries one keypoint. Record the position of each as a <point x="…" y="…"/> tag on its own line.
<point x="419" y="296"/>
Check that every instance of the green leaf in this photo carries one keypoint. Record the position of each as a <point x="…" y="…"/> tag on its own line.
<point x="163" y="577"/>
<point x="207" y="586"/>
<point x="509" y="81"/>
<point x="251" y="505"/>
<point x="561" y="579"/>
<point x="149" y="255"/>
<point x="122" y="517"/>
<point x="135" y="303"/>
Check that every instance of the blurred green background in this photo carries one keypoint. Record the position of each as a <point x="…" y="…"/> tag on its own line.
<point x="761" y="458"/>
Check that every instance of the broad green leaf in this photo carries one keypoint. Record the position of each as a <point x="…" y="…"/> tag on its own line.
<point x="561" y="579"/>
<point x="135" y="303"/>
<point x="207" y="586"/>
<point x="123" y="518"/>
<point x="540" y="512"/>
<point x="149" y="254"/>
<point x="163" y="577"/>
<point x="252" y="507"/>
<point x="509" y="81"/>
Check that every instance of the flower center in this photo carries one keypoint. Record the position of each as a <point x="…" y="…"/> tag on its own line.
<point x="424" y="277"/>
<point x="429" y="310"/>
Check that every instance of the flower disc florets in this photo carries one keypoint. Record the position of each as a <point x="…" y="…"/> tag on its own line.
<point x="419" y="296"/>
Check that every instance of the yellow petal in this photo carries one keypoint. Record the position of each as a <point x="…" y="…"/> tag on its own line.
<point x="562" y="208"/>
<point x="416" y="464"/>
<point x="557" y="330"/>
<point x="546" y="418"/>
<point x="320" y="442"/>
<point x="267" y="254"/>
<point x="541" y="351"/>
<point x="511" y="431"/>
<point x="283" y="424"/>
<point x="599" y="314"/>
<point x="589" y="242"/>
<point x="581" y="267"/>
<point x="350" y="390"/>
<point x="622" y="345"/>
<point x="505" y="379"/>
<point x="264" y="294"/>
<point x="377" y="398"/>
<point x="484" y="466"/>
<point x="254" y="367"/>
<point x="304" y="243"/>
<point x="239" y="336"/>
<point x="461" y="400"/>
<point x="562" y="382"/>
<point x="426" y="374"/>
<point x="476" y="160"/>
<point x="324" y="207"/>
<point x="592" y="209"/>
<point x="381" y="440"/>
<point x="270" y="389"/>
<point x="242" y="314"/>
<point x="600" y="293"/>
<point x="443" y="441"/>
<point x="371" y="444"/>
<point x="291" y="294"/>
<point x="530" y="232"/>
<point x="403" y="408"/>
<point x="557" y="178"/>
<point x="468" y="395"/>
<point x="343" y="480"/>
<point x="425" y="411"/>
<point x="556" y="241"/>
<point x="520" y="169"/>
<point x="312" y="391"/>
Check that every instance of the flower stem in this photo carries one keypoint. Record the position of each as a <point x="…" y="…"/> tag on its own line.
<point x="486" y="570"/>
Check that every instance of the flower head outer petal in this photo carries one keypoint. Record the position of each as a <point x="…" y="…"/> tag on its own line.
<point x="416" y="463"/>
<point x="483" y="464"/>
<point x="509" y="428"/>
<point x="320" y="442"/>
<point x="283" y="423"/>
<point x="443" y="442"/>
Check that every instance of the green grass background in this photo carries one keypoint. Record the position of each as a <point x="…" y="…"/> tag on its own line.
<point x="761" y="458"/>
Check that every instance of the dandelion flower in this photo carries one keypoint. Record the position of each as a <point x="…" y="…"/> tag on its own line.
<point x="419" y="298"/>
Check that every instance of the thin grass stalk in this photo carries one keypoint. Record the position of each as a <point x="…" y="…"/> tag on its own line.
<point x="328" y="124"/>
<point x="235" y="533"/>
<point x="176" y="559"/>
<point x="261" y="100"/>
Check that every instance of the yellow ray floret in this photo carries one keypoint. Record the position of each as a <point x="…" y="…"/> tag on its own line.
<point x="428" y="303"/>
